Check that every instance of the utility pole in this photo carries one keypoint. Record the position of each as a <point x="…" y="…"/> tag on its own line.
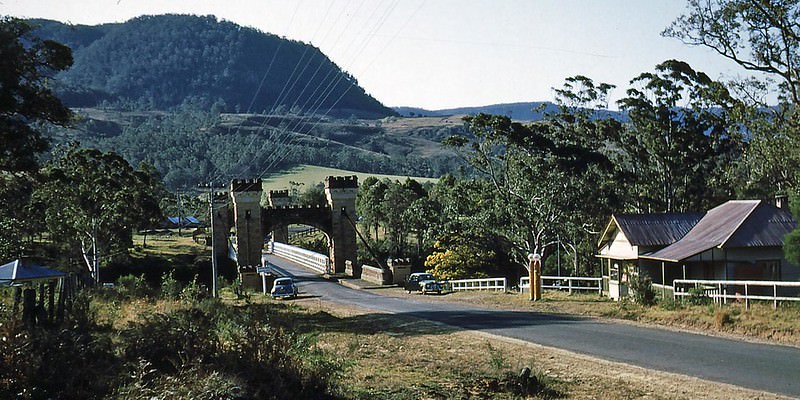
<point x="210" y="188"/>
<point x="180" y="219"/>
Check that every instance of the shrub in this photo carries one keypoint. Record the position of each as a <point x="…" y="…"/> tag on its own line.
<point x="62" y="362"/>
<point x="133" y="286"/>
<point x="170" y="287"/>
<point x="697" y="296"/>
<point x="642" y="289"/>
<point x="193" y="291"/>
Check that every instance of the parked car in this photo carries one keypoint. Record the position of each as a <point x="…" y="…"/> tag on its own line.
<point x="423" y="282"/>
<point x="284" y="287"/>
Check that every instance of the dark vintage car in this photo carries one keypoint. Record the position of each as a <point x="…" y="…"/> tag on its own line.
<point x="283" y="287"/>
<point x="423" y="282"/>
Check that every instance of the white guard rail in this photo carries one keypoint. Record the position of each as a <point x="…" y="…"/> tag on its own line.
<point x="572" y="283"/>
<point x="308" y="258"/>
<point x="720" y="290"/>
<point x="495" y="284"/>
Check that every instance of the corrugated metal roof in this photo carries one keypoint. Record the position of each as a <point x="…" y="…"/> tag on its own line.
<point x="656" y="229"/>
<point x="22" y="270"/>
<point x="766" y="226"/>
<point x="737" y="223"/>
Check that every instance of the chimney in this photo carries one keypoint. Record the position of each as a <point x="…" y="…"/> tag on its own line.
<point x="782" y="201"/>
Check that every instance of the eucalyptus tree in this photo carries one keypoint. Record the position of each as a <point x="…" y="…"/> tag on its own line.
<point x="680" y="141"/>
<point x="549" y="178"/>
<point x="759" y="35"/>
<point x="27" y="63"/>
<point x="91" y="201"/>
<point x="369" y="202"/>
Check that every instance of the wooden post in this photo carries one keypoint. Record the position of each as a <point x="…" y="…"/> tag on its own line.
<point x="51" y="301"/>
<point x="531" y="278"/>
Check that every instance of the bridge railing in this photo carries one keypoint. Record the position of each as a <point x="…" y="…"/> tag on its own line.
<point x="308" y="258"/>
<point x="494" y="284"/>
<point x="569" y="283"/>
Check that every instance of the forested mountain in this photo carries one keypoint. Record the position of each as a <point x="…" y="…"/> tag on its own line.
<point x="157" y="62"/>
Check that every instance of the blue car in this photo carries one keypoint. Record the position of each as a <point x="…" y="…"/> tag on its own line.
<point x="283" y="287"/>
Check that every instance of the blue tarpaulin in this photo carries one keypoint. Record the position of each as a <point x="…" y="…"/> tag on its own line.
<point x="20" y="271"/>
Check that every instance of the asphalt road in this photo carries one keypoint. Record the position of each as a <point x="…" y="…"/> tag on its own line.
<point x="764" y="367"/>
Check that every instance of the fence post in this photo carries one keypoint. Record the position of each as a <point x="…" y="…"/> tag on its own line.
<point x="746" y="298"/>
<point x="569" y="282"/>
<point x="775" y="297"/>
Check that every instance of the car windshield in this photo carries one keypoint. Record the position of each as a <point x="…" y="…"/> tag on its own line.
<point x="426" y="277"/>
<point x="283" y="281"/>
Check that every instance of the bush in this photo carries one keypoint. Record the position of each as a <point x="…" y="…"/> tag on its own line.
<point x="61" y="362"/>
<point x="133" y="286"/>
<point x="193" y="291"/>
<point x="170" y="287"/>
<point x="697" y="296"/>
<point x="642" y="289"/>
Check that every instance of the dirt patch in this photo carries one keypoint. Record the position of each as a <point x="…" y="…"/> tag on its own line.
<point x="396" y="357"/>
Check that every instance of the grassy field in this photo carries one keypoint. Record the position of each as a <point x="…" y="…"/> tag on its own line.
<point x="310" y="175"/>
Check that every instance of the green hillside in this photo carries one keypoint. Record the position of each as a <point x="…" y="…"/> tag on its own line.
<point x="309" y="175"/>
<point x="158" y="62"/>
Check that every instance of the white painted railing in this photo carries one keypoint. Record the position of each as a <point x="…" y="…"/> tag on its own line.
<point x="572" y="283"/>
<point x="720" y="290"/>
<point x="308" y="258"/>
<point x="495" y="284"/>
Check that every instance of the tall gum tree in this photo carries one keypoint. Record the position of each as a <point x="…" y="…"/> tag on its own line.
<point x="679" y="141"/>
<point x="27" y="64"/>
<point x="550" y="178"/>
<point x="92" y="201"/>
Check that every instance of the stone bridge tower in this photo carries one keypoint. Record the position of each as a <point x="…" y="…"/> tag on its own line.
<point x="246" y="197"/>
<point x="341" y="193"/>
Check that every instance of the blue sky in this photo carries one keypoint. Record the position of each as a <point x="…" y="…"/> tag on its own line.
<point x="444" y="53"/>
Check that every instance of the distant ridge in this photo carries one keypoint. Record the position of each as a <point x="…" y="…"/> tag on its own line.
<point x="525" y="111"/>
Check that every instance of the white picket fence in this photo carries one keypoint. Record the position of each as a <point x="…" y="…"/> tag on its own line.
<point x="572" y="283"/>
<point x="493" y="284"/>
<point x="721" y="290"/>
<point x="308" y="258"/>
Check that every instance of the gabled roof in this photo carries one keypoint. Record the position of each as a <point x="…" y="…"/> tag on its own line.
<point x="22" y="270"/>
<point x="737" y="223"/>
<point x="651" y="229"/>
